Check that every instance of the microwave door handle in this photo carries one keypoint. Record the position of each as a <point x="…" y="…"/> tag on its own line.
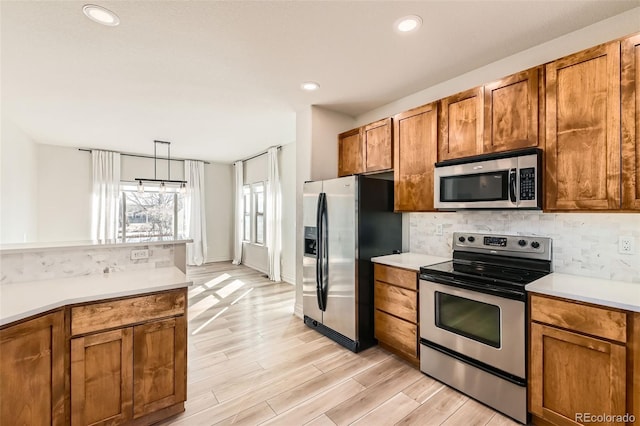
<point x="512" y="185"/>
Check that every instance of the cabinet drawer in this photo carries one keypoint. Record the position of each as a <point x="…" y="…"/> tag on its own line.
<point x="399" y="334"/>
<point x="397" y="301"/>
<point x="396" y="276"/>
<point x="586" y="319"/>
<point x="110" y="314"/>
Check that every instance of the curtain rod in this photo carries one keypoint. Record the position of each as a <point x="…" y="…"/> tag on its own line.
<point x="258" y="155"/>
<point x="146" y="156"/>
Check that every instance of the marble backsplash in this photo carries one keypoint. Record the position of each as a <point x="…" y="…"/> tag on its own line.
<point x="75" y="262"/>
<point x="583" y="243"/>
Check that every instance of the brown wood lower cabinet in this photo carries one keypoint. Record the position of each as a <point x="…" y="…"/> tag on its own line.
<point x="32" y="372"/>
<point x="135" y="371"/>
<point x="396" y="311"/>
<point x="102" y="378"/>
<point x="582" y="363"/>
<point x="159" y="379"/>
<point x="120" y="368"/>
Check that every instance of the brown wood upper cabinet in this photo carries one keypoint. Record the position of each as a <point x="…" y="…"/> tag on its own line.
<point x="512" y="111"/>
<point x="631" y="123"/>
<point x="366" y="149"/>
<point x="415" y="152"/>
<point x="461" y="125"/>
<point x="583" y="130"/>
<point x="350" y="153"/>
<point x="378" y="146"/>
<point x="32" y="368"/>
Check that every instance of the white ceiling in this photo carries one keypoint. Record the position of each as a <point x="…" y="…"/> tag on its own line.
<point x="221" y="79"/>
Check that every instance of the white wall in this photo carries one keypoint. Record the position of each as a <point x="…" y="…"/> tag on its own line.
<point x="219" y="202"/>
<point x="64" y="194"/>
<point x="600" y="32"/>
<point x="289" y="208"/>
<point x="18" y="185"/>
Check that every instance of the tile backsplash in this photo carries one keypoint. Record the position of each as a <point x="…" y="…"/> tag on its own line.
<point x="75" y="262"/>
<point x="583" y="243"/>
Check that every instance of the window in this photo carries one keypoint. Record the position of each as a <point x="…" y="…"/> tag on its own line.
<point x="150" y="213"/>
<point x="258" y="201"/>
<point x="254" y="208"/>
<point x="246" y="192"/>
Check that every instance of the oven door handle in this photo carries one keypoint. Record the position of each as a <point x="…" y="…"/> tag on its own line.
<point x="482" y="288"/>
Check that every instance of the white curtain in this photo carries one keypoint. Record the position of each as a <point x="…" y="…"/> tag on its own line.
<point x="274" y="214"/>
<point x="106" y="195"/>
<point x="195" y="219"/>
<point x="239" y="222"/>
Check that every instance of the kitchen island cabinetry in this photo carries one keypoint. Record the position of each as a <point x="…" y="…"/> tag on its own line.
<point x="416" y="150"/>
<point x="396" y="311"/>
<point x="132" y="371"/>
<point x="583" y="359"/>
<point x="32" y="367"/>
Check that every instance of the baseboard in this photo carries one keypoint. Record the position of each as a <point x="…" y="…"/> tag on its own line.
<point x="218" y="259"/>
<point x="297" y="311"/>
<point x="287" y="279"/>
<point x="256" y="267"/>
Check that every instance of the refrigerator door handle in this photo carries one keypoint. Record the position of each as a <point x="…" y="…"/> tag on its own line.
<point x="319" y="251"/>
<point x="324" y="283"/>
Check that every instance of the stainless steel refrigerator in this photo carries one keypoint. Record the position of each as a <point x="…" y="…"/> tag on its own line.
<point x="347" y="221"/>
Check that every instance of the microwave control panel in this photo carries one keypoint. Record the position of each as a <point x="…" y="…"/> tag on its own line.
<point x="528" y="183"/>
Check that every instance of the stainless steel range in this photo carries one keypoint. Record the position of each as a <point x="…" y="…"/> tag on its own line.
<point x="473" y="317"/>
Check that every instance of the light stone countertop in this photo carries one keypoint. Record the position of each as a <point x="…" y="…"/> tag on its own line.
<point x="411" y="261"/>
<point x="614" y="294"/>
<point x="24" y="299"/>
<point x="61" y="245"/>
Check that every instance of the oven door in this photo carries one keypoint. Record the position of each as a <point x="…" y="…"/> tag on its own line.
<point x="484" y="327"/>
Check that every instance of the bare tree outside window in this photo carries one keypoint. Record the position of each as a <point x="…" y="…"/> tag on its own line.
<point x="151" y="214"/>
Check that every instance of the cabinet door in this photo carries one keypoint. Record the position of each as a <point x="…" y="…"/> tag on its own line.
<point x="32" y="372"/>
<point x="415" y="147"/>
<point x="461" y="125"/>
<point x="511" y="111"/>
<point x="631" y="123"/>
<point x="397" y="334"/>
<point x="378" y="143"/>
<point x="583" y="130"/>
<point x="101" y="378"/>
<point x="572" y="374"/>
<point x="160" y="368"/>
<point x="350" y="153"/>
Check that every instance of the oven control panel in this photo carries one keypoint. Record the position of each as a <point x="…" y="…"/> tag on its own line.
<point x="505" y="245"/>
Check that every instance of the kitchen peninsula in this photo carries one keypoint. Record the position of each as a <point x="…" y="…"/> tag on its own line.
<point x="93" y="331"/>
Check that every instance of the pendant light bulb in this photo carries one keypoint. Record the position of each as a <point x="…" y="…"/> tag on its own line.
<point x="163" y="188"/>
<point x="140" y="187"/>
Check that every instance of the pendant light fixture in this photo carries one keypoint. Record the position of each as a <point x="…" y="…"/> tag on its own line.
<point x="163" y="182"/>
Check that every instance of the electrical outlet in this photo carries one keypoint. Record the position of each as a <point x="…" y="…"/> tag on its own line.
<point x="438" y="229"/>
<point x="626" y="245"/>
<point x="139" y="254"/>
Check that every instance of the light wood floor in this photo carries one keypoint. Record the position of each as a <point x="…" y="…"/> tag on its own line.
<point x="251" y="361"/>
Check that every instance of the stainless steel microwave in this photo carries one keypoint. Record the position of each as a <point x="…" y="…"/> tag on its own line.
<point x="506" y="180"/>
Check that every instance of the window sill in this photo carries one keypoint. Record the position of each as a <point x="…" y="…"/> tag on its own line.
<point x="249" y="243"/>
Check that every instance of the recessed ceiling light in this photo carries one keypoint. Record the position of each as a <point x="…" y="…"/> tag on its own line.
<point x="101" y="15"/>
<point x="310" y="86"/>
<point x="408" y="23"/>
